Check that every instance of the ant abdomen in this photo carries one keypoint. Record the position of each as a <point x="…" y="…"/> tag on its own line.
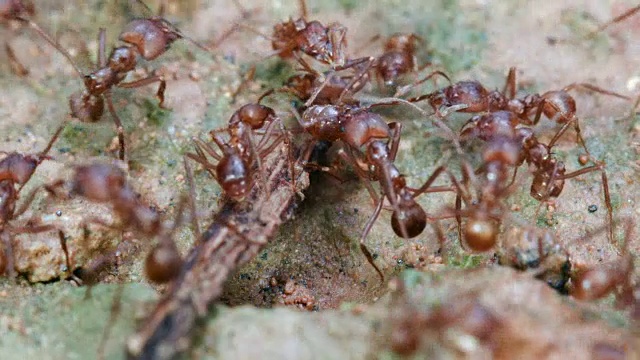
<point x="412" y="217"/>
<point x="99" y="182"/>
<point x="233" y="175"/>
<point x="597" y="282"/>
<point x="363" y="127"/>
<point x="470" y="93"/>
<point x="480" y="234"/>
<point x="163" y="263"/>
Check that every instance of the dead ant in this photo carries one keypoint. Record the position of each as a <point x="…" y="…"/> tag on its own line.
<point x="147" y="38"/>
<point x="17" y="169"/>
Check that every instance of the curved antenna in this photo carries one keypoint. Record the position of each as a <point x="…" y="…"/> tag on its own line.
<point x="53" y="43"/>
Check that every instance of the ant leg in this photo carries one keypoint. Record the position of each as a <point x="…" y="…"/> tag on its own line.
<point x="405" y="89"/>
<point x="146" y="81"/>
<point x="361" y="74"/>
<point x="7" y="252"/>
<point x="459" y="218"/>
<point x="16" y="66"/>
<point x="510" y="83"/>
<point x="192" y="198"/>
<point x="365" y="232"/>
<point x="615" y="20"/>
<point x="596" y="89"/>
<point x="102" y="48"/>
<point x="53" y="43"/>
<point x="116" y="120"/>
<point x="605" y="185"/>
<point x="248" y="77"/>
<point x="303" y="8"/>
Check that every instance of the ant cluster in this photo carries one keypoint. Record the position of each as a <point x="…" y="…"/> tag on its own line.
<point x="328" y="110"/>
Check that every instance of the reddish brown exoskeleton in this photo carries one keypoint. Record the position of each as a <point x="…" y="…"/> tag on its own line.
<point x="15" y="171"/>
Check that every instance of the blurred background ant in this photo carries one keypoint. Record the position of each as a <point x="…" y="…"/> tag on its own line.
<point x="15" y="171"/>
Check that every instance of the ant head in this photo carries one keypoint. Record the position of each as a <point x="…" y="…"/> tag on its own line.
<point x="401" y="42"/>
<point x="86" y="107"/>
<point x="233" y="175"/>
<point x="98" y="182"/>
<point x="480" y="234"/>
<point x="411" y="216"/>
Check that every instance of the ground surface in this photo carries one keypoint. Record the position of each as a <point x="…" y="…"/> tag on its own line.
<point x="315" y="263"/>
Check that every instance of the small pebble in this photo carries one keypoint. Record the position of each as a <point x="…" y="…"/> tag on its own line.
<point x="592" y="208"/>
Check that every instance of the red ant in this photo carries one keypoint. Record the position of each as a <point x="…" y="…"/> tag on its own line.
<point x="601" y="280"/>
<point x="147" y="38"/>
<point x="17" y="169"/>
<point x="549" y="173"/>
<point x="234" y="168"/>
<point x="357" y="127"/>
<point x="557" y="105"/>
<point x="104" y="183"/>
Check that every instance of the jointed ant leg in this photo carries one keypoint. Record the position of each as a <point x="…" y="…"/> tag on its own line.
<point x="116" y="120"/>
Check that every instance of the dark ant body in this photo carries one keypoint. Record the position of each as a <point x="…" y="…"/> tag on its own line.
<point x="17" y="169"/>
<point x="370" y="145"/>
<point x="234" y="169"/>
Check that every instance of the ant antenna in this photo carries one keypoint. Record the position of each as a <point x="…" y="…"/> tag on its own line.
<point x="53" y="43"/>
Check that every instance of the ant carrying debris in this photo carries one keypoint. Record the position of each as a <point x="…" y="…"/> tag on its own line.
<point x="17" y="169"/>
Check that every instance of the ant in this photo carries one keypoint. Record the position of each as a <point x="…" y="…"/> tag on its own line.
<point x="17" y="169"/>
<point x="145" y="38"/>
<point x="600" y="280"/>
<point x="104" y="183"/>
<point x="357" y="128"/>
<point x="549" y="173"/>
<point x="556" y="105"/>
<point x="234" y="168"/>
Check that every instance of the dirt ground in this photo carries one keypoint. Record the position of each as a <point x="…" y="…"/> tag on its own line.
<point x="446" y="303"/>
